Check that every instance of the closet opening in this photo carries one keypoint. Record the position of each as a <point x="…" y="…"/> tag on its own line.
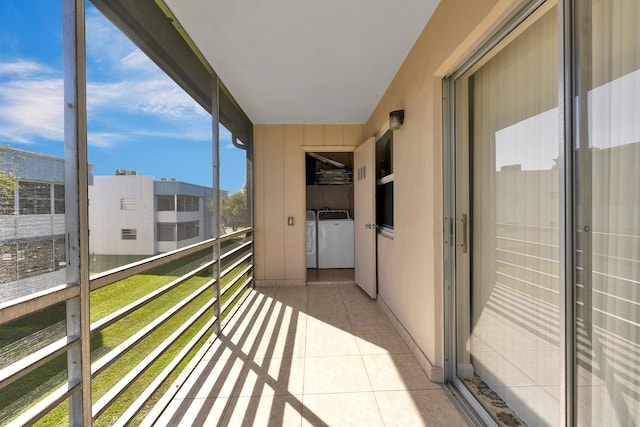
<point x="330" y="244"/>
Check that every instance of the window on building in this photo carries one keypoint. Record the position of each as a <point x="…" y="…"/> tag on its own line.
<point x="58" y="198"/>
<point x="166" y="232"/>
<point x="129" y="234"/>
<point x="188" y="203"/>
<point x="128" y="204"/>
<point x="30" y="258"/>
<point x="59" y="254"/>
<point x="384" y="176"/>
<point x="7" y="202"/>
<point x="188" y="230"/>
<point x="384" y="205"/>
<point x="34" y="198"/>
<point x="166" y="203"/>
<point x="37" y="257"/>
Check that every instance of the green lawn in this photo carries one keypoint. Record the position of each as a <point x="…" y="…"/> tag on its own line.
<point x="105" y="301"/>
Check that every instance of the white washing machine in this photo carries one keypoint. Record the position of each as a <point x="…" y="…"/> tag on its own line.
<point x="312" y="251"/>
<point x="335" y="239"/>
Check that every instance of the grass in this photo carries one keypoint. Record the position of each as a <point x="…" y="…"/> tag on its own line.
<point x="105" y="301"/>
<point x="25" y="326"/>
<point x="17" y="395"/>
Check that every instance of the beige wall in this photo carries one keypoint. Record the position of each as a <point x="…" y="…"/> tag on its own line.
<point x="410" y="264"/>
<point x="411" y="270"/>
<point x="280" y="192"/>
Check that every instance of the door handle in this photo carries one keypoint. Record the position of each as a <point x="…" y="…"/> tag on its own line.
<point x="369" y="226"/>
<point x="464" y="221"/>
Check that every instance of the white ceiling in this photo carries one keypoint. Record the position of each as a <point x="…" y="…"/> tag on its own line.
<point x="305" y="61"/>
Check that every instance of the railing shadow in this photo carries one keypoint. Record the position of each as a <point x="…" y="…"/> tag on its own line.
<point x="255" y="369"/>
<point x="606" y="361"/>
<point x="227" y="354"/>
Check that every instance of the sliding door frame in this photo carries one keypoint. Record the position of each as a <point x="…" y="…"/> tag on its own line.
<point x="566" y="93"/>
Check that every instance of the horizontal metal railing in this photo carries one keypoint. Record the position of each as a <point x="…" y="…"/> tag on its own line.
<point x="144" y="397"/>
<point x="46" y="405"/>
<point x="108" y="398"/>
<point x="236" y="295"/>
<point x="141" y="302"/>
<point x="168" y="396"/>
<point x="111" y="357"/>
<point x="36" y="359"/>
<point x="141" y="367"/>
<point x="115" y="275"/>
<point x="236" y="277"/>
<point x="14" y="309"/>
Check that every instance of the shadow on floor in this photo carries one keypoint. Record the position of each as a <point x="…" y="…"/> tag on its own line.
<point x="322" y="355"/>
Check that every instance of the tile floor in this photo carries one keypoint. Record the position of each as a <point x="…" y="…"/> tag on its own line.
<point x="322" y="355"/>
<point x="328" y="276"/>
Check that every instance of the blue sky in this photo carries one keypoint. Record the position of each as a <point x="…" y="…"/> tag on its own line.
<point x="138" y="118"/>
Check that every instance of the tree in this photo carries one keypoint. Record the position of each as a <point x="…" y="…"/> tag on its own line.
<point x="233" y="210"/>
<point x="8" y="181"/>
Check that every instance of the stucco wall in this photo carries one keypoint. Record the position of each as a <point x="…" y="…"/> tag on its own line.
<point x="107" y="219"/>
<point x="415" y="290"/>
<point x="280" y="192"/>
<point x="411" y="264"/>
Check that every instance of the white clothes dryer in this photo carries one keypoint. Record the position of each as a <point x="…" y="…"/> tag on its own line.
<point x="312" y="251"/>
<point x="336" y="246"/>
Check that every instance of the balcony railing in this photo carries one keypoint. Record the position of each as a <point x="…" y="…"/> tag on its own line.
<point x="149" y="319"/>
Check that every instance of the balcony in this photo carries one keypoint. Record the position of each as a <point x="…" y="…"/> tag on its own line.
<point x="315" y="355"/>
<point x="147" y="319"/>
<point x="323" y="354"/>
<point x="497" y="247"/>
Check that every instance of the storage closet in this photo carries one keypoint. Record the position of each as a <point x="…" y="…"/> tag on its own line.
<point x="329" y="186"/>
<point x="329" y="204"/>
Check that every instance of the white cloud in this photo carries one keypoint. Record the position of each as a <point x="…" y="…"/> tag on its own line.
<point x="137" y="61"/>
<point x="190" y="133"/>
<point x="104" y="139"/>
<point x="121" y="79"/>
<point x="22" y="69"/>
<point x="31" y="109"/>
<point x="105" y="43"/>
<point x="114" y="139"/>
<point x="161" y="98"/>
<point x="114" y="52"/>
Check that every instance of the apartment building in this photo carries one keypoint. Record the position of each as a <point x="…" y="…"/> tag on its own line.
<point x="131" y="214"/>
<point x="32" y="214"/>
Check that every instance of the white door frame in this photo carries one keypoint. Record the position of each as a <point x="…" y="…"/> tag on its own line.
<point x="324" y="149"/>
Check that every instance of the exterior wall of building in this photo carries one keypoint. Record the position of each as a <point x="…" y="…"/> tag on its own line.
<point x="202" y="216"/>
<point x="30" y="226"/>
<point x="280" y="191"/>
<point x="107" y="219"/>
<point x="175" y="218"/>
<point x="410" y="264"/>
<point x="37" y="168"/>
<point x="32" y="243"/>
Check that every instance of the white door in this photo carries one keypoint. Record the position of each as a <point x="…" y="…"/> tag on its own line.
<point x="365" y="216"/>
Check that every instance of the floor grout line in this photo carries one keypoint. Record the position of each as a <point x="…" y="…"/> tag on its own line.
<point x="338" y="294"/>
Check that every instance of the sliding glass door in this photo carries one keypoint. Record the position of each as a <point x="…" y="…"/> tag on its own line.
<point x="508" y="298"/>
<point x="545" y="258"/>
<point x="607" y="183"/>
